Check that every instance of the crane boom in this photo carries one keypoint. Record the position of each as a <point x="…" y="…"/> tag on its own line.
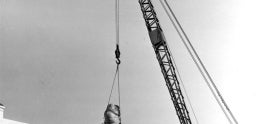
<point x="164" y="58"/>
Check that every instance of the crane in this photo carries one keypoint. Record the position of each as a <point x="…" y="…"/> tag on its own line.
<point x="165" y="60"/>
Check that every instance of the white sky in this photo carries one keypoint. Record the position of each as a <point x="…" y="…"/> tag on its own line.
<point x="57" y="60"/>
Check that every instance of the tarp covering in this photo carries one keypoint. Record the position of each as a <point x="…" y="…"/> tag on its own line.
<point x="112" y="114"/>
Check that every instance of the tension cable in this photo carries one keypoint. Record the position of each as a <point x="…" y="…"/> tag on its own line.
<point x="113" y="107"/>
<point x="199" y="63"/>
<point x="117" y="51"/>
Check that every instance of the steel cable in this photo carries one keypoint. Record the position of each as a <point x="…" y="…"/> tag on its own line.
<point x="200" y="62"/>
<point x="193" y="112"/>
<point x="117" y="52"/>
<point x="193" y="58"/>
<point x="117" y="20"/>
<point x="114" y="80"/>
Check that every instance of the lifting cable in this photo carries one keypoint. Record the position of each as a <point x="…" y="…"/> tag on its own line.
<point x="114" y="80"/>
<point x="117" y="55"/>
<point x="200" y="63"/>
<point x="117" y="51"/>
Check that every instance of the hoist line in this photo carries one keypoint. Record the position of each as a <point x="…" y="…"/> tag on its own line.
<point x="114" y="79"/>
<point x="193" y="58"/>
<point x="117" y="54"/>
<point x="118" y="84"/>
<point x="119" y="98"/>
<point x="117" y="20"/>
<point x="212" y="82"/>
<point x="185" y="91"/>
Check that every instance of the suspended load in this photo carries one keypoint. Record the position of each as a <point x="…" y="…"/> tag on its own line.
<point x="112" y="114"/>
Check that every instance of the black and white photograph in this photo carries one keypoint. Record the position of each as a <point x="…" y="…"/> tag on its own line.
<point x="129" y="61"/>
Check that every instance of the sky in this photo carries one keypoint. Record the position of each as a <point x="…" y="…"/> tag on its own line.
<point x="57" y="60"/>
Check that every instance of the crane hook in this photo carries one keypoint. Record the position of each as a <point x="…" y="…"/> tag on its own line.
<point x="118" y="61"/>
<point x="117" y="52"/>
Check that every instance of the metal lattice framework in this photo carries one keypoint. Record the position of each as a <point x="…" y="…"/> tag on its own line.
<point x="164" y="58"/>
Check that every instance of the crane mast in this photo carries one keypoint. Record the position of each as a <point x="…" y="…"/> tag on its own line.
<point x="165" y="60"/>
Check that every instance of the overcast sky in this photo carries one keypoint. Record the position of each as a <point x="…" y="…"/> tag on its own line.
<point x="57" y="60"/>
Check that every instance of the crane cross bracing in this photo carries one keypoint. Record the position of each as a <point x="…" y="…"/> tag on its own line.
<point x="164" y="58"/>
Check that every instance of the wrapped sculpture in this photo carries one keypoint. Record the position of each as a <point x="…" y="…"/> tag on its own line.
<point x="112" y="114"/>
